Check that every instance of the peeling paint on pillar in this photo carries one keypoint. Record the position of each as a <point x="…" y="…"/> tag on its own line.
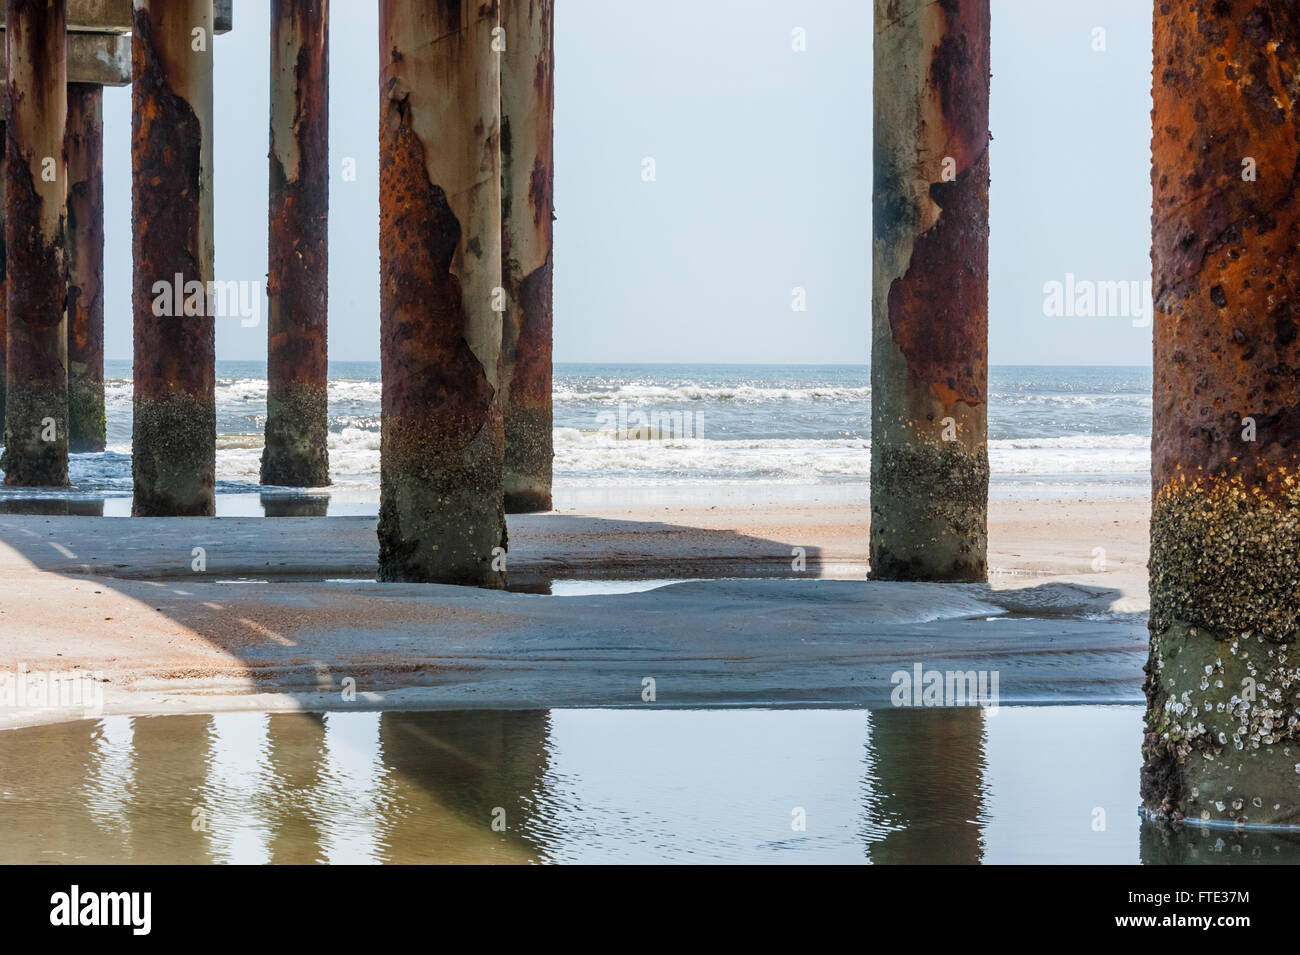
<point x="37" y="347"/>
<point x="929" y="358"/>
<point x="527" y="178"/>
<point x="84" y="146"/>
<point x="174" y="434"/>
<point x="297" y="401"/>
<point x="442" y="449"/>
<point x="1222" y="738"/>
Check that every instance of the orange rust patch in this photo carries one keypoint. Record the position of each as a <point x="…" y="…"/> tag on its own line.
<point x="1224" y="244"/>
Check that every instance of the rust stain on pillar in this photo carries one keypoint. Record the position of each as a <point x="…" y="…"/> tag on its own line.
<point x="174" y="434"/>
<point x="527" y="211"/>
<point x="441" y="515"/>
<point x="84" y="146"/>
<point x="1222" y="735"/>
<point x="297" y="403"/>
<point x="36" y="405"/>
<point x="929" y="359"/>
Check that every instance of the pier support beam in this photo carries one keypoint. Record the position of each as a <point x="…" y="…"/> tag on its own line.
<point x="527" y="211"/>
<point x="4" y="286"/>
<point x="441" y="514"/>
<point x="929" y="358"/>
<point x="36" y="401"/>
<point x="1222" y="739"/>
<point x="174" y="436"/>
<point x="297" y="401"/>
<point x="84" y="146"/>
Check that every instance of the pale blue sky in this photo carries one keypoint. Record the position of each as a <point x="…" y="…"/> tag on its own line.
<point x="763" y="157"/>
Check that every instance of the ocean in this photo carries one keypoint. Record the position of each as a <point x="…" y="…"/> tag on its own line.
<point x="1053" y="430"/>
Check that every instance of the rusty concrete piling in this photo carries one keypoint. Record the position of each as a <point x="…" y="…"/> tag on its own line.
<point x="297" y="412"/>
<point x="1222" y="739"/>
<point x="36" y="402"/>
<point x="929" y="360"/>
<point x="527" y="211"/>
<point x="174" y="428"/>
<point x="84" y="148"/>
<point x="441" y="515"/>
<point x="4" y="289"/>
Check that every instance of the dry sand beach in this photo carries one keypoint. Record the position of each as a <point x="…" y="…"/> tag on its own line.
<point x="286" y="610"/>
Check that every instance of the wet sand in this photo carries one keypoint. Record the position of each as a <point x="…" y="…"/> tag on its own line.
<point x="284" y="612"/>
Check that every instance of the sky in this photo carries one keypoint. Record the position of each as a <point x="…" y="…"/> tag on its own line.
<point x="762" y="158"/>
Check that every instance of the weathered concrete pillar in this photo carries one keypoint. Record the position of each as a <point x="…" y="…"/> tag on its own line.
<point x="527" y="211"/>
<point x="297" y="402"/>
<point x="929" y="358"/>
<point x="4" y="287"/>
<point x="1223" y="728"/>
<point x="174" y="437"/>
<point x="36" y="405"/>
<point x="441" y="514"/>
<point x="84" y="146"/>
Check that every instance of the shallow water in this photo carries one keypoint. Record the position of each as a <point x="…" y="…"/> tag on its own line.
<point x="1022" y="784"/>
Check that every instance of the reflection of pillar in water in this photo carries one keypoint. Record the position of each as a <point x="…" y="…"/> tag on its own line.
<point x="454" y="774"/>
<point x="171" y="756"/>
<point x="927" y="790"/>
<point x="305" y="505"/>
<point x="46" y="819"/>
<point x="34" y="505"/>
<point x="1161" y="844"/>
<point x="297" y="758"/>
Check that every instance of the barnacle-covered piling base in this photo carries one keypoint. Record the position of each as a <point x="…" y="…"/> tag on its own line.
<point x="929" y="513"/>
<point x="1222" y="738"/>
<point x="528" y="438"/>
<point x="1222" y="741"/>
<point x="297" y="436"/>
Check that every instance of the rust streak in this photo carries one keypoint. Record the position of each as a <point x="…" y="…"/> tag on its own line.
<point x="297" y="427"/>
<point x="36" y="333"/>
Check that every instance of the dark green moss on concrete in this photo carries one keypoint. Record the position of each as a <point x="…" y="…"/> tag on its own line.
<point x="1221" y="742"/>
<point x="174" y="457"/>
<point x="441" y="514"/>
<point x="529" y="453"/>
<point x="87" y="425"/>
<point x="297" y="437"/>
<point x="29" y="459"/>
<point x="929" y="517"/>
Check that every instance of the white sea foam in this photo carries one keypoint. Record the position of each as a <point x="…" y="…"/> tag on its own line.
<point x="596" y="458"/>
<point x="776" y="427"/>
<point x="739" y="393"/>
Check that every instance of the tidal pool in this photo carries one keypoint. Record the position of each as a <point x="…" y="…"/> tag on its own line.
<point x="1019" y="784"/>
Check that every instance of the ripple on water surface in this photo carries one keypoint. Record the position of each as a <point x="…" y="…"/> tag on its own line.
<point x="1019" y="784"/>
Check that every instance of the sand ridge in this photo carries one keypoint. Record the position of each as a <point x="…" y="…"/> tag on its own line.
<point x="285" y="610"/>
